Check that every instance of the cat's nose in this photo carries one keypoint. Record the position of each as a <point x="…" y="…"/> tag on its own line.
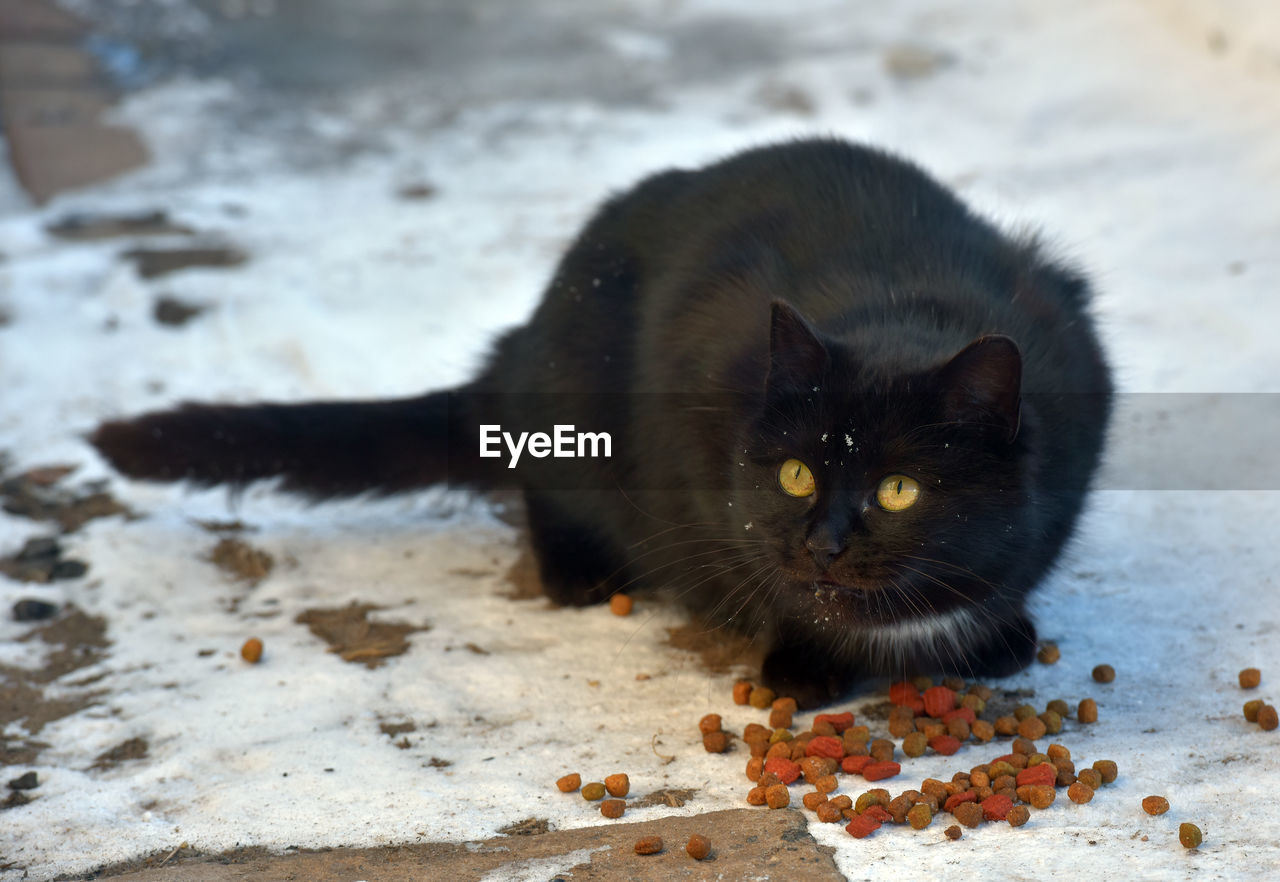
<point x="824" y="547"/>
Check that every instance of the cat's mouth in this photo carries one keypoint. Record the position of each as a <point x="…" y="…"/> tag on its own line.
<point x="854" y="585"/>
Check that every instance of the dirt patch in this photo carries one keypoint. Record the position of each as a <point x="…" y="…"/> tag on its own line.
<point x="38" y="494"/>
<point x="92" y="227"/>
<point x="154" y="262"/>
<point x="241" y="561"/>
<point x="391" y="730"/>
<point x="746" y="844"/>
<point x="720" y="651"/>
<point x="236" y="526"/>
<point x="77" y="641"/>
<point x="527" y="827"/>
<point x="133" y="749"/>
<point x="173" y="312"/>
<point x="671" y="797"/>
<point x="352" y="636"/>
<point x="417" y="191"/>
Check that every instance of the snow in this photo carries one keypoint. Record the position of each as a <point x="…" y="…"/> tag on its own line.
<point x="1143" y="137"/>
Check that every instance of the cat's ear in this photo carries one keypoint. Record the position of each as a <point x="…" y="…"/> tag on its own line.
<point x="796" y="355"/>
<point x="983" y="383"/>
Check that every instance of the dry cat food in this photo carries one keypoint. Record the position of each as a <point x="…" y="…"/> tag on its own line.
<point x="1189" y="835"/>
<point x="1267" y="717"/>
<point x="1250" y="678"/>
<point x="569" y="783"/>
<point x="593" y="791"/>
<point x="613" y="808"/>
<point x="649" y="845"/>
<point x="1155" y="805"/>
<point x="620" y="604"/>
<point x="1104" y="673"/>
<point x="251" y="651"/>
<point x="698" y="847"/>
<point x="618" y="785"/>
<point x="1048" y="654"/>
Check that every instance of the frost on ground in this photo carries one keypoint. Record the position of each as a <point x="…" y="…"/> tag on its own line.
<point x="441" y="706"/>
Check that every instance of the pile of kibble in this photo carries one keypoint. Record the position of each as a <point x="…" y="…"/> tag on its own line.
<point x="925" y="717"/>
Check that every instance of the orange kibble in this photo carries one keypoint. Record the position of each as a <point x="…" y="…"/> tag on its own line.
<point x="618" y="785"/>
<point x="777" y="796"/>
<point x="649" y="845"/>
<point x="613" y="808"/>
<point x="1250" y="678"/>
<point x="569" y="783"/>
<point x="1155" y="805"/>
<point x="709" y="723"/>
<point x="699" y="847"/>
<point x="251" y="651"/>
<point x="742" y="691"/>
<point x="620" y="604"/>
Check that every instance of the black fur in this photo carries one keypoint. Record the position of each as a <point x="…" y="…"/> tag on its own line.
<point x="812" y="300"/>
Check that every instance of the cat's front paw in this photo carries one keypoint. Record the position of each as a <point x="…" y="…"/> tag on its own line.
<point x="811" y="680"/>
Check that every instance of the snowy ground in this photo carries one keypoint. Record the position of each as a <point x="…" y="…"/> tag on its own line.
<point x="1144" y="137"/>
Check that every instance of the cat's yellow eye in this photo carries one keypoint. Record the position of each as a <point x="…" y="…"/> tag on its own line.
<point x="897" y="492"/>
<point x="796" y="479"/>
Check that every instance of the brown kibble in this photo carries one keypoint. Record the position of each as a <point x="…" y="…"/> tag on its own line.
<point x="828" y="813"/>
<point x="618" y="785"/>
<point x="569" y="783"/>
<point x="251" y="651"/>
<point x="883" y="750"/>
<point x="755" y="796"/>
<point x="777" y="796"/>
<point x="1155" y="805"/>
<point x="915" y="744"/>
<point x="1059" y="707"/>
<point x="1057" y="751"/>
<point x="755" y="768"/>
<point x="613" y="808"/>
<point x="649" y="845"/>
<point x="698" y="847"/>
<point x="761" y="697"/>
<point x="742" y="691"/>
<point x="768" y="779"/>
<point x="1018" y="815"/>
<point x="786" y="703"/>
<point x="1267" y="718"/>
<point x="1039" y="796"/>
<point x="826" y="784"/>
<point x="1251" y="709"/>
<point x="779" y="718"/>
<point x="1023" y="747"/>
<point x="1052" y="722"/>
<point x="1189" y="835"/>
<point x="593" y="791"/>
<point x="958" y="728"/>
<point x="1250" y="678"/>
<point x="1048" y="654"/>
<point x="811" y="801"/>
<point x="1107" y="769"/>
<point x="1080" y="793"/>
<point x="1087" y="712"/>
<point x="919" y="816"/>
<point x="1023" y="712"/>
<point x="1104" y="673"/>
<point x="953" y="832"/>
<point x="715" y="742"/>
<point x="1091" y="778"/>
<point x="620" y="604"/>
<point x="982" y="730"/>
<point x="968" y="813"/>
<point x="1006" y="725"/>
<point x="1032" y="728"/>
<point x="709" y="723"/>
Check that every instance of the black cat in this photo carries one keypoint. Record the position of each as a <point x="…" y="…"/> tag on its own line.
<point x="846" y="415"/>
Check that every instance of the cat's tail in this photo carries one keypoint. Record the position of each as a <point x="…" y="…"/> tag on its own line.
<point x="318" y="449"/>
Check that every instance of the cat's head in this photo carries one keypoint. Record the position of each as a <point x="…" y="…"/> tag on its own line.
<point x="891" y="495"/>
